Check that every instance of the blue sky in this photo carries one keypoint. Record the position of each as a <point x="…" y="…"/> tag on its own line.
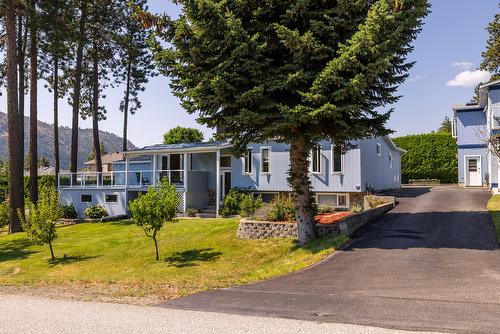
<point x="451" y="42"/>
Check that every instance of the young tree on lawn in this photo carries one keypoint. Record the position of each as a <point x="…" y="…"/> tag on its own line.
<point x="40" y="219"/>
<point x="155" y="208"/>
<point x="16" y="149"/>
<point x="136" y="63"/>
<point x="491" y="58"/>
<point x="295" y="72"/>
<point x="181" y="134"/>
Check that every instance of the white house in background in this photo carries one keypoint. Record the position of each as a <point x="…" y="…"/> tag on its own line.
<point x="475" y="126"/>
<point x="205" y="172"/>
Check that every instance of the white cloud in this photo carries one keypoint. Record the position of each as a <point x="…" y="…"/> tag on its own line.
<point x="463" y="65"/>
<point x="415" y="78"/>
<point x="469" y="78"/>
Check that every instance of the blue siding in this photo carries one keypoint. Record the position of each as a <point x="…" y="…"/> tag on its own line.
<point x="376" y="170"/>
<point x="471" y="127"/>
<point x="483" y="152"/>
<point x="205" y="162"/>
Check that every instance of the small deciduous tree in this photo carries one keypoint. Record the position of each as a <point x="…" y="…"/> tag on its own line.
<point x="155" y="208"/>
<point x="39" y="220"/>
<point x="181" y="134"/>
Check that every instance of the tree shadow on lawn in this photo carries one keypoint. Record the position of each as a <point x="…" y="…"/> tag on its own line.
<point x="68" y="259"/>
<point x="192" y="257"/>
<point x="15" y="250"/>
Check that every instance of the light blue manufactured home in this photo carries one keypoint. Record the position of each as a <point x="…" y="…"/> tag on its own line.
<point x="476" y="126"/>
<point x="203" y="174"/>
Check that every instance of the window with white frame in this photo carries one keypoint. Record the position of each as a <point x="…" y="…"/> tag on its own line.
<point x="390" y="160"/>
<point x="111" y="198"/>
<point x="225" y="161"/>
<point x="335" y="200"/>
<point x="454" y="127"/>
<point x="85" y="198"/>
<point x="247" y="162"/>
<point x="379" y="150"/>
<point x="316" y="160"/>
<point x="337" y="160"/>
<point x="265" y="160"/>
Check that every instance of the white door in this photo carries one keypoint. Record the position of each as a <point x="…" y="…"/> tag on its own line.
<point x="473" y="170"/>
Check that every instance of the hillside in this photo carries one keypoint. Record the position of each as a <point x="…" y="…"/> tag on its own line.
<point x="111" y="141"/>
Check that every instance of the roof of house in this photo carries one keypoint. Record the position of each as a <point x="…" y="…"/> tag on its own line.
<point x="107" y="159"/>
<point x="203" y="146"/>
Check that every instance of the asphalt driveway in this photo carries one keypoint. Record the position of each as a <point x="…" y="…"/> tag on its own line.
<point x="432" y="263"/>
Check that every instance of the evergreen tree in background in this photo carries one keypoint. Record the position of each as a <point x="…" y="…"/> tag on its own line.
<point x="491" y="57"/>
<point x="295" y="72"/>
<point x="445" y="126"/>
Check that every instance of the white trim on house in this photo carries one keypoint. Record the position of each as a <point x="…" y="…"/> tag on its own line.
<point x="317" y="149"/>
<point x="466" y="170"/>
<point x="248" y="154"/>
<point x="261" y="163"/>
<point x="332" y="161"/>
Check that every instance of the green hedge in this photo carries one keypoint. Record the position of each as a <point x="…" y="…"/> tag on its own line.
<point x="429" y="156"/>
<point x="43" y="182"/>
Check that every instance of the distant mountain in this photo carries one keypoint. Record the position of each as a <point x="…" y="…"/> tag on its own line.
<point x="111" y="142"/>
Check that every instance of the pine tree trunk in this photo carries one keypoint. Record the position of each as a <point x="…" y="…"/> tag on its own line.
<point x="299" y="180"/>
<point x="126" y="104"/>
<point x="16" y="151"/>
<point x="56" y="117"/>
<point x="21" y="62"/>
<point x="33" y="107"/>
<point x="95" y="110"/>
<point x="77" y="89"/>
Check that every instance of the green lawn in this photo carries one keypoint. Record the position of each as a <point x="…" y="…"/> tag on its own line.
<point x="494" y="209"/>
<point x="196" y="254"/>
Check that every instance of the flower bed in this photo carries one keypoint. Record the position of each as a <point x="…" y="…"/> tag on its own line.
<point x="332" y="217"/>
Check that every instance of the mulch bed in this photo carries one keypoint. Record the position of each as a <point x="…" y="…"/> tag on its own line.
<point x="331" y="218"/>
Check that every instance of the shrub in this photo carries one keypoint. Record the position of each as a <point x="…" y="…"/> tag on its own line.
<point x="249" y="204"/>
<point x="281" y="209"/>
<point x="39" y="220"/>
<point x="374" y="201"/>
<point x="95" y="212"/>
<point x="325" y="208"/>
<point x="429" y="156"/>
<point x="155" y="208"/>
<point x="4" y="214"/>
<point x="191" y="212"/>
<point x="232" y="202"/>
<point x="262" y="213"/>
<point x="69" y="211"/>
<point x="356" y="208"/>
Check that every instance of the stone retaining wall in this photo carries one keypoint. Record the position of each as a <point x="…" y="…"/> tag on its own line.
<point x="251" y="229"/>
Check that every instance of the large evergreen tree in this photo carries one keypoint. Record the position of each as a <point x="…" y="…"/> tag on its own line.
<point x="293" y="71"/>
<point x="16" y="149"/>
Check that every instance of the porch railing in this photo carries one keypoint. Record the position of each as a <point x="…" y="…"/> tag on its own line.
<point x="120" y="179"/>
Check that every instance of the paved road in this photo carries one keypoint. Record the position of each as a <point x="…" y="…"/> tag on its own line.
<point x="430" y="264"/>
<point x="36" y="315"/>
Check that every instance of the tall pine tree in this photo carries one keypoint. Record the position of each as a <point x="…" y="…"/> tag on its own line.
<point x="136" y="64"/>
